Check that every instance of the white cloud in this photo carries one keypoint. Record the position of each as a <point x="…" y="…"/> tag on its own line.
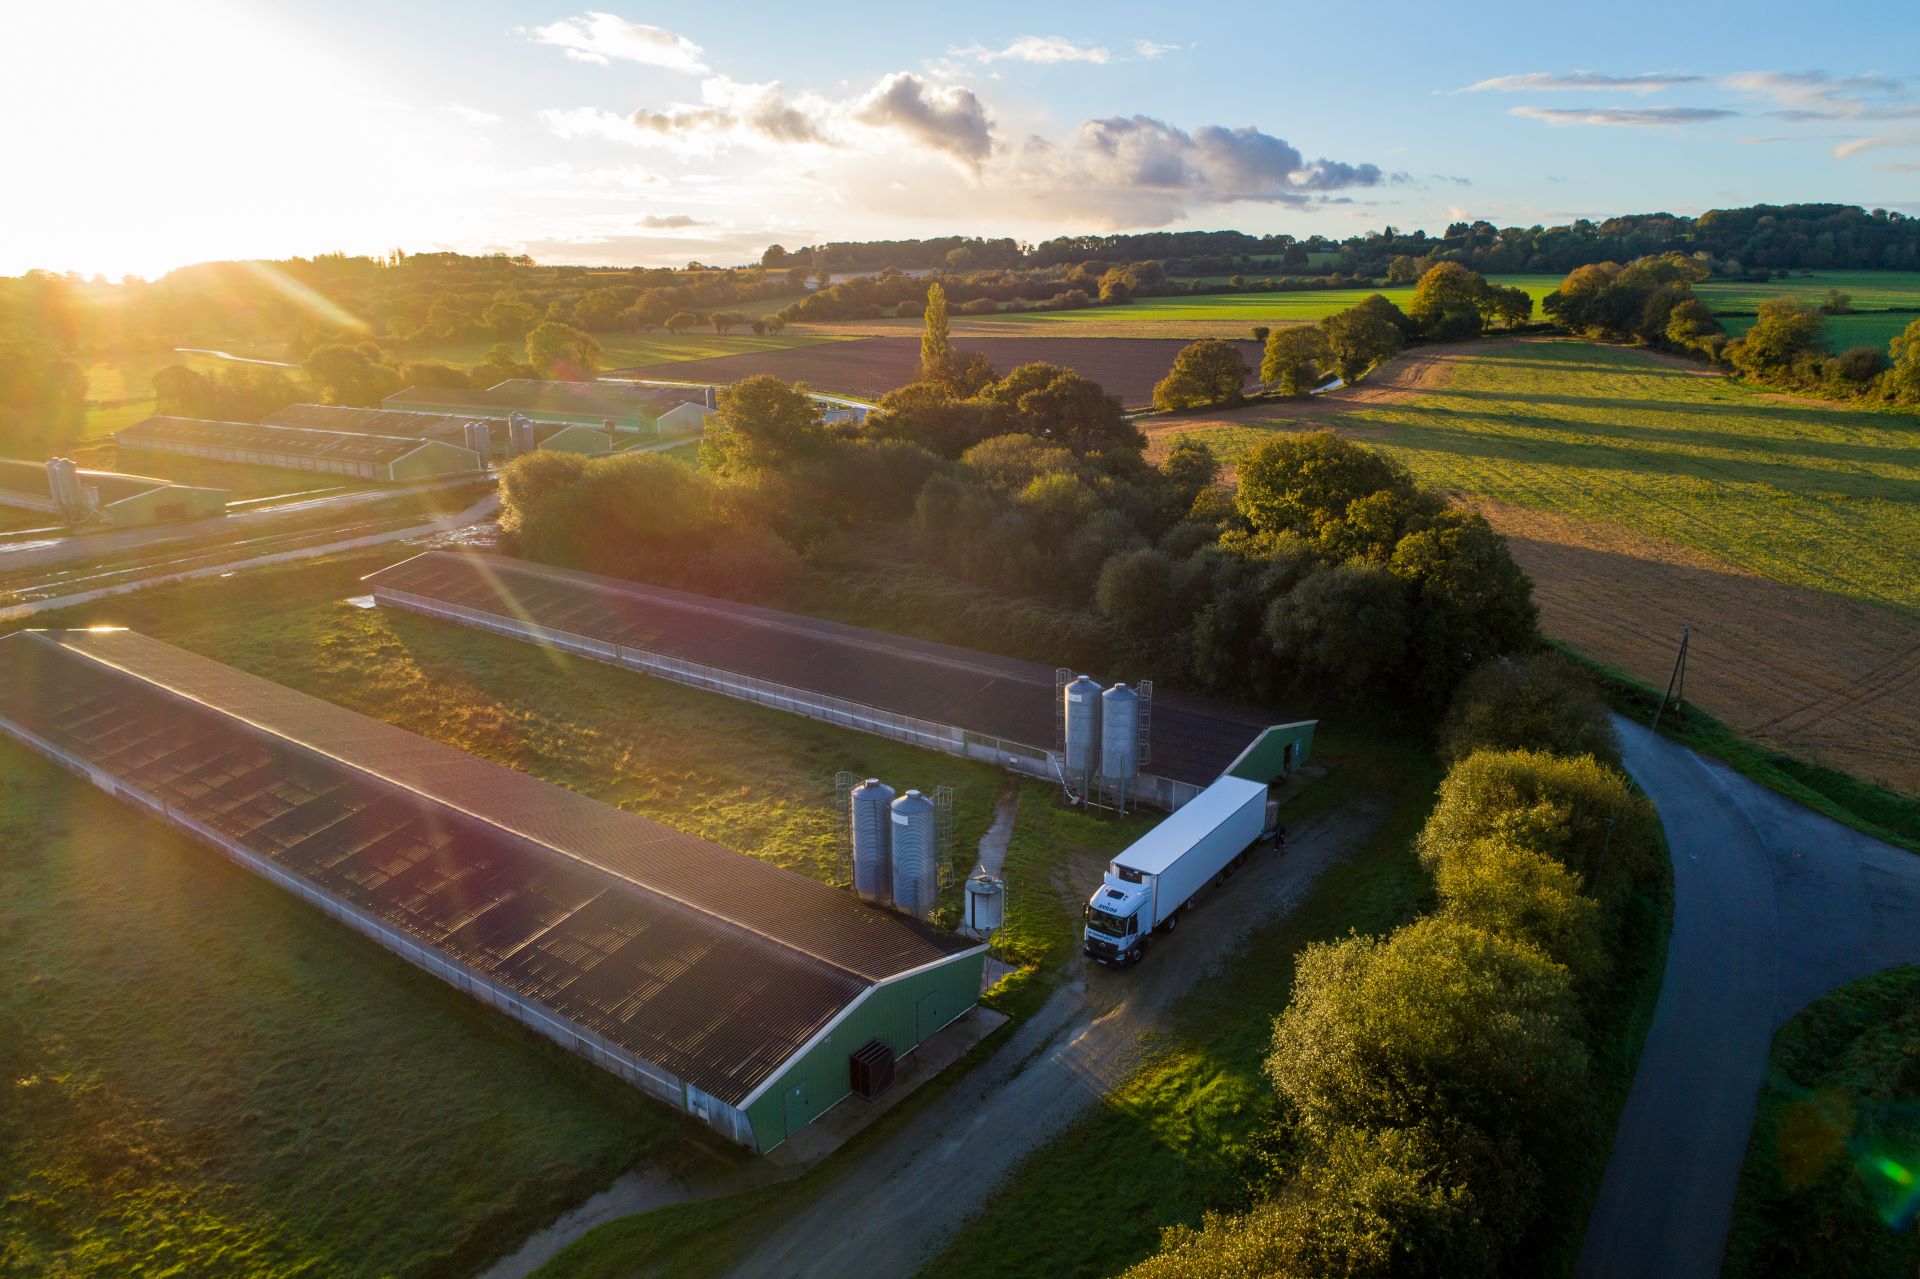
<point x="1624" y="117"/>
<point x="591" y="122"/>
<point x="1646" y="82"/>
<point x="601" y="38"/>
<point x="670" y="222"/>
<point x="1815" y="95"/>
<point x="948" y="118"/>
<point x="1136" y="170"/>
<point x="1885" y="141"/>
<point x="1151" y="49"/>
<point x="472" y="115"/>
<point x="1042" y="49"/>
<point x="731" y="111"/>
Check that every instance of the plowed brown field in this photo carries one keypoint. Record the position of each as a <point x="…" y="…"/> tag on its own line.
<point x="870" y="367"/>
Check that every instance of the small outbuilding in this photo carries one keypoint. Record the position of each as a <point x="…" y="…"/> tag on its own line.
<point x="107" y="496"/>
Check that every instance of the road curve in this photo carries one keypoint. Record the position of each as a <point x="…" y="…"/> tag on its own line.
<point x="1773" y="906"/>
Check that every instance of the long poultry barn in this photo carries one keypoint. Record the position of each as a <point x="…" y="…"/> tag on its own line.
<point x="994" y="709"/>
<point x="721" y="985"/>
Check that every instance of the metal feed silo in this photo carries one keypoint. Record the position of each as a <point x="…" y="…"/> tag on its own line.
<point x="986" y="907"/>
<point x="871" y="820"/>
<point x="1119" y="736"/>
<point x="1080" y="715"/>
<point x="916" y="870"/>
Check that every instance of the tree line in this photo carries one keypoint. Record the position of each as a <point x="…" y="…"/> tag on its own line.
<point x="1449" y="304"/>
<point x="1650" y="301"/>
<point x="1435" y="1087"/>
<point x="1020" y="513"/>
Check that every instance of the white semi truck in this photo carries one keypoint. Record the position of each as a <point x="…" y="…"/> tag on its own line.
<point x="1147" y="885"/>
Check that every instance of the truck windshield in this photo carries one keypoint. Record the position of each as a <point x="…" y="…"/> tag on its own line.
<point x="1107" y="925"/>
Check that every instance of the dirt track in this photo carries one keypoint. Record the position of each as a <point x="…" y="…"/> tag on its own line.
<point x="870" y="367"/>
<point x="1814" y="675"/>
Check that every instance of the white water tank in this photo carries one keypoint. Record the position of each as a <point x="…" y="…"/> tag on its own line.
<point x="916" y="872"/>
<point x="872" y="824"/>
<point x="986" y="905"/>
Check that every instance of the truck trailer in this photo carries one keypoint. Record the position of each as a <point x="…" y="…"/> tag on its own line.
<point x="1148" y="884"/>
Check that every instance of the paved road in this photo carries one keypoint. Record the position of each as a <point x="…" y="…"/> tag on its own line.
<point x="1774" y="906"/>
<point x="887" y="1213"/>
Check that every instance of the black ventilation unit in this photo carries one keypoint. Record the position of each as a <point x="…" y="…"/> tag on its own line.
<point x="870" y="1069"/>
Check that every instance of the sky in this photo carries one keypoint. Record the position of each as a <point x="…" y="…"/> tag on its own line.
<point x="142" y="135"/>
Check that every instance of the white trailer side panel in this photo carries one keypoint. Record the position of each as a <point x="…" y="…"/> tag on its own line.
<point x="1182" y="853"/>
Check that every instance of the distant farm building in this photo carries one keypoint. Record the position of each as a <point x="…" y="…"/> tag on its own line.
<point x="723" y="986"/>
<point x="646" y="410"/>
<point x="381" y="458"/>
<point x="565" y="437"/>
<point x="65" y="492"/>
<point x="998" y="710"/>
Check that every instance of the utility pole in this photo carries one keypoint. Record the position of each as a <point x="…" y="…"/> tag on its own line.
<point x="1676" y="682"/>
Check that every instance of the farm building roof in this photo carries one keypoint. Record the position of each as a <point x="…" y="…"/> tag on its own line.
<point x="296" y="441"/>
<point x="1192" y="741"/>
<point x="448" y="427"/>
<point x="342" y="417"/>
<point x="703" y="961"/>
<point x="651" y="395"/>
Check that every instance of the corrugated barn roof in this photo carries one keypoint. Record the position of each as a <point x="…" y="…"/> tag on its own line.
<point x="700" y="960"/>
<point x="288" y="441"/>
<point x="1193" y="741"/>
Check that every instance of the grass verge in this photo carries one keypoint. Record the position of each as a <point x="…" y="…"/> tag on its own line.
<point x="1828" y="1186"/>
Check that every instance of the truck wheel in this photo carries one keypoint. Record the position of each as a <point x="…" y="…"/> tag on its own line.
<point x="1173" y="922"/>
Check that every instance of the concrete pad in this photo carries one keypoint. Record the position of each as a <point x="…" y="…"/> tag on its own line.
<point x="853" y="1113"/>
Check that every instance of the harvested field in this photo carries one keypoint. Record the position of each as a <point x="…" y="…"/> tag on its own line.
<point x="870" y="367"/>
<point x="1643" y="494"/>
<point x="1807" y="673"/>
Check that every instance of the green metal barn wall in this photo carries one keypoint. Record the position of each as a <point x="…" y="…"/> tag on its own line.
<point x="166" y="503"/>
<point x="902" y="1013"/>
<point x="434" y="458"/>
<point x="578" y="439"/>
<point x="1266" y="758"/>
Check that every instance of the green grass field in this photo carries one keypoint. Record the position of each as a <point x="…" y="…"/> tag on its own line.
<point x="1799" y="492"/>
<point x="1829" y="1182"/>
<point x="1869" y="328"/>
<point x="199" y="1075"/>
<point x="1870" y="290"/>
<point x="1302" y="307"/>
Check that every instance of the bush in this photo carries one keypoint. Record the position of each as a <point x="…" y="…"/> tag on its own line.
<point x="1503" y="888"/>
<point x="1542" y="702"/>
<point x="1548" y="804"/>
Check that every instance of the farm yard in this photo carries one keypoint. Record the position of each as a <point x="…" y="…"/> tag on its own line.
<point x="1643" y="494"/>
<point x="870" y="367"/>
<point x="352" y="1066"/>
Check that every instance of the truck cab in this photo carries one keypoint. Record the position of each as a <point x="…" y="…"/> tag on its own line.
<point x="1119" y="916"/>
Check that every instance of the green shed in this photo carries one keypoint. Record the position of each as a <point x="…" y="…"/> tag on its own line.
<point x="901" y="1012"/>
<point x="1276" y="752"/>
